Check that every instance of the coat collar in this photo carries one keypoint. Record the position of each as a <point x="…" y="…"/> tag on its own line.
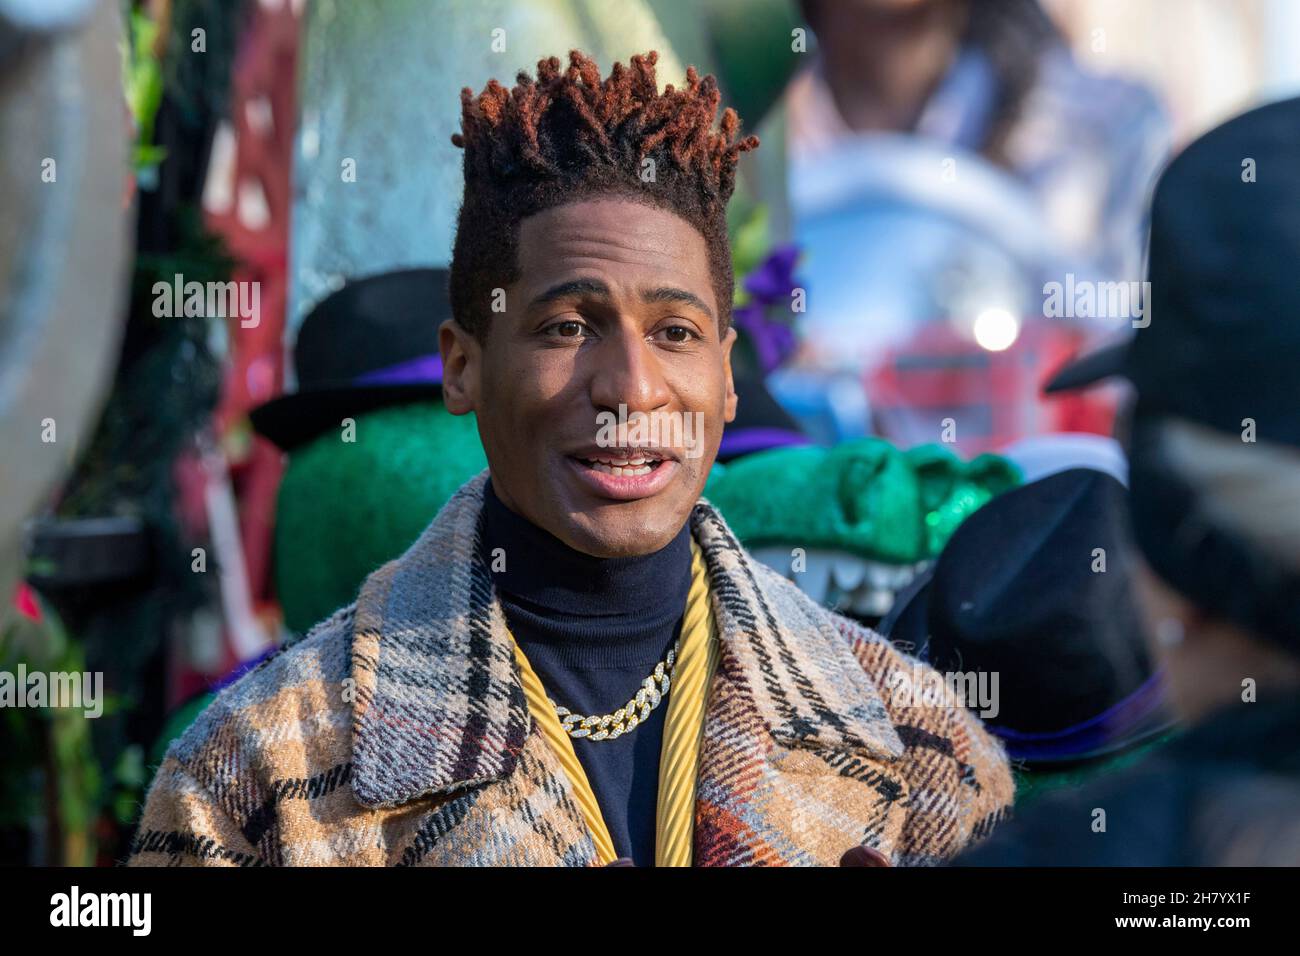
<point x="437" y="704"/>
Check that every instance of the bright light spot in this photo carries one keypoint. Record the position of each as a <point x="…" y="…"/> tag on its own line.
<point x="996" y="329"/>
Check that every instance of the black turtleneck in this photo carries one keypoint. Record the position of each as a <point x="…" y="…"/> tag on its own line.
<point x="593" y="630"/>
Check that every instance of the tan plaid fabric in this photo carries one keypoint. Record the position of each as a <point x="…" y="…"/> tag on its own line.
<point x="396" y="733"/>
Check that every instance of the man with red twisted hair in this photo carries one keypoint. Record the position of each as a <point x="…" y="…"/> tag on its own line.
<point x="577" y="663"/>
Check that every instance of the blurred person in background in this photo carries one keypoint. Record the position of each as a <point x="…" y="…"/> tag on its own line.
<point x="1214" y="450"/>
<point x="947" y="159"/>
<point x="994" y="77"/>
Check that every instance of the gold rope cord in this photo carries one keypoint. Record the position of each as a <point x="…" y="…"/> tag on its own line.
<point x="683" y="729"/>
<point x="684" y="725"/>
<point x="540" y="707"/>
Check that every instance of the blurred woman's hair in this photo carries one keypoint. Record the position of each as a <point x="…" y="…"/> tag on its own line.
<point x="1013" y="35"/>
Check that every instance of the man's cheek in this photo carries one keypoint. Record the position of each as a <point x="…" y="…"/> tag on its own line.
<point x="543" y="390"/>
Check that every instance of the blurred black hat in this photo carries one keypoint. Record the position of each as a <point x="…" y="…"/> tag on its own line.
<point x="1015" y="592"/>
<point x="761" y="423"/>
<point x="1222" y="344"/>
<point x="371" y="344"/>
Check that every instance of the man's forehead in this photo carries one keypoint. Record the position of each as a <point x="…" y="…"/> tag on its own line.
<point x="624" y="240"/>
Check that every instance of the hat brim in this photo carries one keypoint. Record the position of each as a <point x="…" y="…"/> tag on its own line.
<point x="295" y="419"/>
<point x="1156" y="724"/>
<point x="1089" y="369"/>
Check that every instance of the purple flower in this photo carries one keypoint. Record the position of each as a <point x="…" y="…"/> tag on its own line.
<point x="773" y="279"/>
<point x="770" y="285"/>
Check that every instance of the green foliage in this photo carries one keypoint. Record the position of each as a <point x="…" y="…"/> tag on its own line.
<point x="750" y="241"/>
<point x="142" y="82"/>
<point x="49" y="749"/>
<point x="129" y="779"/>
<point x="199" y="85"/>
<point x="166" y="387"/>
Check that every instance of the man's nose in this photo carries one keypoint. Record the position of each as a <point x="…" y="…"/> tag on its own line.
<point x="628" y="372"/>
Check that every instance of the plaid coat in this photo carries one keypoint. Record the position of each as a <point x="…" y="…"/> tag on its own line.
<point x="396" y="733"/>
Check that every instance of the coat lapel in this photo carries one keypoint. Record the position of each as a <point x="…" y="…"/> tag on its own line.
<point x="799" y="758"/>
<point x="437" y="705"/>
<point x="795" y="732"/>
<point x="802" y="677"/>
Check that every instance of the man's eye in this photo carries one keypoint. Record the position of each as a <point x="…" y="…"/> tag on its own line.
<point x="568" y="329"/>
<point x="678" y="334"/>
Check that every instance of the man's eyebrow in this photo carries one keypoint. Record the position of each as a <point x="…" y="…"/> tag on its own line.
<point x="671" y="294"/>
<point x="597" y="289"/>
<point x="574" y="287"/>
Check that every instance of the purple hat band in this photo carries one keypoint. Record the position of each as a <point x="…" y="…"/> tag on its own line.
<point x="1115" y="725"/>
<point x="425" y="370"/>
<point x="743" y="441"/>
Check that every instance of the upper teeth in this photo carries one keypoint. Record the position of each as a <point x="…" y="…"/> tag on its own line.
<point x="639" y="463"/>
<point x="624" y="462"/>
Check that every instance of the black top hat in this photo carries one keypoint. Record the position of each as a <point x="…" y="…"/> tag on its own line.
<point x="1017" y="591"/>
<point x="1222" y="343"/>
<point x="371" y="344"/>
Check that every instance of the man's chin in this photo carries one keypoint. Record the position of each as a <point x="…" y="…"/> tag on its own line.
<point x="625" y="529"/>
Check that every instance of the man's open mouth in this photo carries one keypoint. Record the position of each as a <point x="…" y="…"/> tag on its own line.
<point x="626" y="472"/>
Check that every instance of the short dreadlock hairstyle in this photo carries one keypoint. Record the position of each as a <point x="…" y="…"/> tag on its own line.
<point x="568" y="136"/>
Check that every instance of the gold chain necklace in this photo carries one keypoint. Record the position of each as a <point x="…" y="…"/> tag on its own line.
<point x="626" y="719"/>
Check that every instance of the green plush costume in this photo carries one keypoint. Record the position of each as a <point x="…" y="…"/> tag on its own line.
<point x="865" y="515"/>
<point x="345" y="508"/>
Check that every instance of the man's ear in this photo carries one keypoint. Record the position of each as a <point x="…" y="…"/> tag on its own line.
<point x="728" y="340"/>
<point x="462" y="364"/>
